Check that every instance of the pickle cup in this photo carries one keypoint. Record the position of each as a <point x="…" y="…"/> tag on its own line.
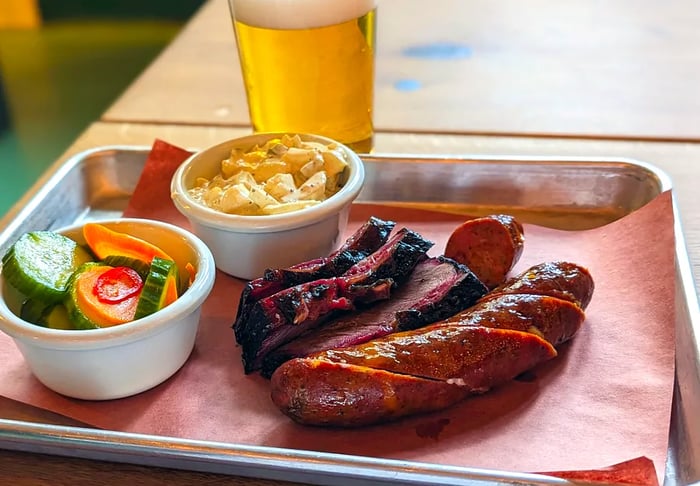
<point x="124" y="359"/>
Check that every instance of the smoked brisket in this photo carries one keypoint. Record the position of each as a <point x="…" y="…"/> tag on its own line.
<point x="366" y="240"/>
<point x="437" y="288"/>
<point x="284" y="315"/>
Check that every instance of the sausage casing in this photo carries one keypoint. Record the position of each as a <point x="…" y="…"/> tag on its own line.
<point x="564" y="280"/>
<point x="557" y="320"/>
<point x="478" y="357"/>
<point x="403" y="374"/>
<point x="317" y="392"/>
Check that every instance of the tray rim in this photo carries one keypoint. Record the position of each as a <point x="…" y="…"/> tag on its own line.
<point x="282" y="463"/>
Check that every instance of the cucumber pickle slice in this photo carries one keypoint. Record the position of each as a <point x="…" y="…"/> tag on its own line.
<point x="162" y="275"/>
<point x="34" y="311"/>
<point x="141" y="267"/>
<point x="54" y="316"/>
<point x="40" y="263"/>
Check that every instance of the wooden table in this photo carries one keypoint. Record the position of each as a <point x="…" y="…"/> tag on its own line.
<point x="506" y="67"/>
<point x="527" y="78"/>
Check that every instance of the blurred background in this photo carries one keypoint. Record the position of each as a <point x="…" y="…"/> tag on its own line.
<point x="62" y="63"/>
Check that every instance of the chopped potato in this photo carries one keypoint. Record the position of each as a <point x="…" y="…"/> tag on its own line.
<point x="280" y="185"/>
<point x="278" y="149"/>
<point x="267" y="169"/>
<point x="255" y="157"/>
<point x="298" y="157"/>
<point x="258" y="195"/>
<point x="313" y="189"/>
<point x="212" y="196"/>
<point x="235" y="198"/>
<point x="291" y="140"/>
<point x="333" y="162"/>
<point x="313" y="166"/>
<point x="243" y="177"/>
<point x="331" y="185"/>
<point x="282" y="175"/>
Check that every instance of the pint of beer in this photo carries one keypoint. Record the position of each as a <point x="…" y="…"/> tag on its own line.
<point x="308" y="66"/>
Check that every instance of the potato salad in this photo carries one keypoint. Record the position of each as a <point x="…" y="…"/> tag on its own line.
<point x="285" y="174"/>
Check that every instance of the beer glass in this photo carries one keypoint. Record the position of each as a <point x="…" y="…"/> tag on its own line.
<point x="308" y="66"/>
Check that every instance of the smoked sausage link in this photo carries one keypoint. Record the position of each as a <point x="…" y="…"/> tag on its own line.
<point x="555" y="319"/>
<point x="478" y="357"/>
<point x="564" y="280"/>
<point x="316" y="392"/>
<point x="489" y="246"/>
<point x="403" y="374"/>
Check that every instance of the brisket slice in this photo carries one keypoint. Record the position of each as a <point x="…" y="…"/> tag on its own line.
<point x="437" y="288"/>
<point x="444" y="299"/>
<point x="284" y="315"/>
<point x="366" y="240"/>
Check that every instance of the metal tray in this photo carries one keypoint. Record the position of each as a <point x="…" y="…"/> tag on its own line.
<point x="564" y="193"/>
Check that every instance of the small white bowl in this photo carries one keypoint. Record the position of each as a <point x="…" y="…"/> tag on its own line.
<point x="245" y="246"/>
<point x="126" y="359"/>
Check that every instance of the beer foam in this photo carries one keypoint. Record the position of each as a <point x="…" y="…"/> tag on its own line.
<point x="299" y="14"/>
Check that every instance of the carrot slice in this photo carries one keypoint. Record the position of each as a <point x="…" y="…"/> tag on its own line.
<point x="191" y="271"/>
<point x="101" y="313"/>
<point x="171" y="290"/>
<point x="105" y="242"/>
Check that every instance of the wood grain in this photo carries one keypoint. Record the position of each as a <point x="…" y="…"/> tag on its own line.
<point x="26" y="469"/>
<point x="626" y="69"/>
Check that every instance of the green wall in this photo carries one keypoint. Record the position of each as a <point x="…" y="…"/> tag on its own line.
<point x="56" y="80"/>
<point x="114" y="9"/>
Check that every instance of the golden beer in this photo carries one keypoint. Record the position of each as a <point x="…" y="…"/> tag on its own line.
<point x="308" y="66"/>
